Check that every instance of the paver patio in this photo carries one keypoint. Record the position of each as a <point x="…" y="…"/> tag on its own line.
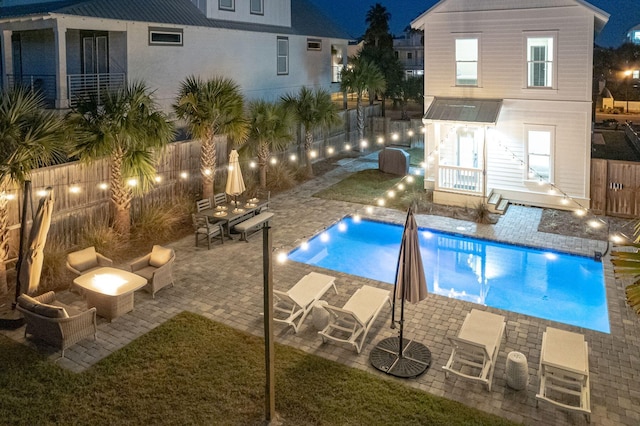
<point x="225" y="284"/>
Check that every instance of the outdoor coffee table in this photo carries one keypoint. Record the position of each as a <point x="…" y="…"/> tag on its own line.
<point x="110" y="290"/>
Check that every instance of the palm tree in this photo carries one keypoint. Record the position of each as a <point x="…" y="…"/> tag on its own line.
<point x="129" y="129"/>
<point x="211" y="107"/>
<point x="30" y="137"/>
<point x="270" y="125"/>
<point x="626" y="263"/>
<point x="359" y="76"/>
<point x="314" y="110"/>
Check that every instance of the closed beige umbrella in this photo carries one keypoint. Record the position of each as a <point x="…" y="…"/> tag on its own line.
<point x="31" y="266"/>
<point x="394" y="355"/>
<point x="235" y="183"/>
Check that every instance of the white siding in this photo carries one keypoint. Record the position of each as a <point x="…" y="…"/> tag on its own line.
<point x="503" y="53"/>
<point x="249" y="58"/>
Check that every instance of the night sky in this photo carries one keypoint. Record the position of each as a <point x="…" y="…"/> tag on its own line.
<point x="350" y="15"/>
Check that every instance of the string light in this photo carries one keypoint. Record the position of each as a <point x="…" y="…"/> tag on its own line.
<point x="132" y="182"/>
<point x="380" y="140"/>
<point x="273" y="161"/>
<point x="74" y="189"/>
<point x="293" y="157"/>
<point x="364" y="143"/>
<point x="158" y="179"/>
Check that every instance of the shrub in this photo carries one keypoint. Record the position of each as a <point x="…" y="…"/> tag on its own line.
<point x="481" y="213"/>
<point x="280" y="177"/>
<point x="158" y="222"/>
<point x="55" y="275"/>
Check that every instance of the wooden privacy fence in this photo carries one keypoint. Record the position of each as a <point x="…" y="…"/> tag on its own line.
<point x="82" y="198"/>
<point x="615" y="188"/>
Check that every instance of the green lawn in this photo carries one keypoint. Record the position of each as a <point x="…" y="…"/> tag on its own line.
<point x="191" y="370"/>
<point x="366" y="186"/>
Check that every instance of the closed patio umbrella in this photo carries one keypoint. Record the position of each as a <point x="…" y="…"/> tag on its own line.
<point x="31" y="265"/>
<point x="394" y="355"/>
<point x="235" y="183"/>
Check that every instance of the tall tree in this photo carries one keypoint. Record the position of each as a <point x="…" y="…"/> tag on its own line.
<point x="127" y="128"/>
<point x="211" y="107"/>
<point x="377" y="33"/>
<point x="270" y="131"/>
<point x="30" y="137"/>
<point x="378" y="48"/>
<point x="360" y="76"/>
<point x="410" y="89"/>
<point x="314" y="109"/>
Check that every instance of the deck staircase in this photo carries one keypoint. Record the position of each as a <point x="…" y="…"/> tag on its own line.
<point x="496" y="203"/>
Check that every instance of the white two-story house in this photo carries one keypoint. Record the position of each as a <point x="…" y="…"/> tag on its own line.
<point x="508" y="105"/>
<point x="69" y="48"/>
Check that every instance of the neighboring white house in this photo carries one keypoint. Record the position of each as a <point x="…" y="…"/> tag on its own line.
<point x="70" y="48"/>
<point x="409" y="50"/>
<point x="508" y="102"/>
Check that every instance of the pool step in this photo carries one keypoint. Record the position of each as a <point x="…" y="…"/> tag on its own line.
<point x="497" y="204"/>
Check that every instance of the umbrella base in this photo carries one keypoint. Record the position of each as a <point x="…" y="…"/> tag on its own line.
<point x="10" y="318"/>
<point x="415" y="359"/>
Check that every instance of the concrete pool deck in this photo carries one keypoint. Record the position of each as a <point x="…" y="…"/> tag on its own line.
<point x="225" y="284"/>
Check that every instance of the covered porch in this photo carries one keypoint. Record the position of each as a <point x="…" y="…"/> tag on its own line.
<point x="64" y="59"/>
<point x="456" y="138"/>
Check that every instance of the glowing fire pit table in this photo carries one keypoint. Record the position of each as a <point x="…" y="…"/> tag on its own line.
<point x="110" y="290"/>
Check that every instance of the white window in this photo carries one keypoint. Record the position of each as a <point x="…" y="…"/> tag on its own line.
<point x="227" y="4"/>
<point x="635" y="74"/>
<point x="283" y="55"/>
<point x="636" y="37"/>
<point x="257" y="7"/>
<point x="467" y="62"/>
<point x="314" y="44"/>
<point x="165" y="36"/>
<point x="540" y="141"/>
<point x="540" y="58"/>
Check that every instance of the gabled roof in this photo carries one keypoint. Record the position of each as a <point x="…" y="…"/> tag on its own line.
<point x="462" y="110"/>
<point x="306" y="19"/>
<point x="600" y="16"/>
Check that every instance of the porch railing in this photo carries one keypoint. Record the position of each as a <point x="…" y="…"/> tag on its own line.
<point x="84" y="86"/>
<point x="45" y="84"/>
<point x="460" y="179"/>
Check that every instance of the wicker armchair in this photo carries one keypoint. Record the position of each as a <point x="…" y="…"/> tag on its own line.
<point x="55" y="323"/>
<point x="83" y="261"/>
<point x="156" y="267"/>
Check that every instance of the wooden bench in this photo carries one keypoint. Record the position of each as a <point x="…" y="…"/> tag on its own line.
<point x="254" y="222"/>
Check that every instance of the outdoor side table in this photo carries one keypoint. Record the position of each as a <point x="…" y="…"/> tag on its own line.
<point x="517" y="371"/>
<point x="110" y="290"/>
<point x="320" y="315"/>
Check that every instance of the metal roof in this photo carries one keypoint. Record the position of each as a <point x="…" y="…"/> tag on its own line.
<point x="484" y="111"/>
<point x="306" y="19"/>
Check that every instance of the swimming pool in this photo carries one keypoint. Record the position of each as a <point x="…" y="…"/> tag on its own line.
<point x="545" y="284"/>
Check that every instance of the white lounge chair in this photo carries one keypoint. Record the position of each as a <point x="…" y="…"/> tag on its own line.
<point x="476" y="347"/>
<point x="564" y="371"/>
<point x="351" y="323"/>
<point x="296" y="303"/>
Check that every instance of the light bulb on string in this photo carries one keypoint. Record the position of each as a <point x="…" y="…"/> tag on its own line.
<point x="293" y="157"/>
<point x="380" y="202"/>
<point x="410" y="179"/>
<point x="380" y="140"/>
<point x="252" y="164"/>
<point x="183" y="175"/>
<point x="347" y="147"/>
<point x="369" y="209"/>
<point x="281" y="256"/>
<point x="273" y="161"/>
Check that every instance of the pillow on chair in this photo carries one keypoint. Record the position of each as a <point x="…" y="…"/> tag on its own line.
<point x="159" y="256"/>
<point x="49" y="311"/>
<point x="83" y="259"/>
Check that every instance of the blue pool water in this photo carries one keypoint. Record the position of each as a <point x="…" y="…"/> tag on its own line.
<point x="551" y="285"/>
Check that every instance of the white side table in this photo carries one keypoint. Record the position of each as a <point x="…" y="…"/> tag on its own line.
<point x="517" y="371"/>
<point x="320" y="315"/>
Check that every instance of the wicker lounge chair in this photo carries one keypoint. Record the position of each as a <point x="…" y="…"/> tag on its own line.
<point x="475" y="348"/>
<point x="55" y="323"/>
<point x="351" y="323"/>
<point x="294" y="305"/>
